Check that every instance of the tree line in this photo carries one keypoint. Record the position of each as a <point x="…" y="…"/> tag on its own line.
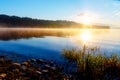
<point x="15" y="21"/>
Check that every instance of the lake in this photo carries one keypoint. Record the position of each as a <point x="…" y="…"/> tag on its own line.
<point x="24" y="43"/>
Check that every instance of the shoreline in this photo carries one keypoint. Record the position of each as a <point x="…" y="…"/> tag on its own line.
<point x="28" y="70"/>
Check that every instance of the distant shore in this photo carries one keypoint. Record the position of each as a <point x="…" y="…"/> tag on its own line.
<point x="26" y="22"/>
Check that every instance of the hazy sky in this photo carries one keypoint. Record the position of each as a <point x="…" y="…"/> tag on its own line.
<point x="98" y="11"/>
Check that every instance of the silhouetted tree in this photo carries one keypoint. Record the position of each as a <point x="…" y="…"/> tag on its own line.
<point x="15" y="21"/>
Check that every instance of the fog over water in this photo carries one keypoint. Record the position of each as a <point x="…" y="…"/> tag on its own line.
<point x="49" y="43"/>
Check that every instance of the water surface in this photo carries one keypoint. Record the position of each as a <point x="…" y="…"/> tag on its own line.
<point x="49" y="44"/>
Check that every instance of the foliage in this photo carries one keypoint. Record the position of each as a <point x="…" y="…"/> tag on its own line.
<point x="92" y="66"/>
<point x="15" y="21"/>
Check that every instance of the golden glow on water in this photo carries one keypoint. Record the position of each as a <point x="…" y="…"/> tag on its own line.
<point x="86" y="36"/>
<point x="91" y="36"/>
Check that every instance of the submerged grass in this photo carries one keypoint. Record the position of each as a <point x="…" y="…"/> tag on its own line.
<point x="91" y="66"/>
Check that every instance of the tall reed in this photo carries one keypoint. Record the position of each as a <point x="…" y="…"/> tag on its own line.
<point x="91" y="66"/>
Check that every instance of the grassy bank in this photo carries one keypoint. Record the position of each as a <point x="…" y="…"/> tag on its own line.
<point x="82" y="65"/>
<point x="91" y="66"/>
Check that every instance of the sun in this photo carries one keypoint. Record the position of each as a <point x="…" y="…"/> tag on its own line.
<point x="86" y="20"/>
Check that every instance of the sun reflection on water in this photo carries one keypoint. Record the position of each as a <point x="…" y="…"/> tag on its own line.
<point x="85" y="36"/>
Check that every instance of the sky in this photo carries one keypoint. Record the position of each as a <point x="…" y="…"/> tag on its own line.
<point x="105" y="12"/>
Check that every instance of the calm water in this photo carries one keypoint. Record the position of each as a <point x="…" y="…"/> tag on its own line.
<point x="51" y="47"/>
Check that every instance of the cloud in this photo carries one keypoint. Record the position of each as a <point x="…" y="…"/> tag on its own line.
<point x="116" y="13"/>
<point x="81" y="14"/>
<point x="85" y="16"/>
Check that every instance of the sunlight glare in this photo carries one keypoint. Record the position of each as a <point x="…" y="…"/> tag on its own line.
<point x="86" y="36"/>
<point x="86" y="20"/>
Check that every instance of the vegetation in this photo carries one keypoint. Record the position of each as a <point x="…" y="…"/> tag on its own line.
<point x="82" y="64"/>
<point x="91" y="66"/>
<point x="15" y="21"/>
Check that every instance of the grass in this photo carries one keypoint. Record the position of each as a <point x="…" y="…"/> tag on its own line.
<point x="91" y="66"/>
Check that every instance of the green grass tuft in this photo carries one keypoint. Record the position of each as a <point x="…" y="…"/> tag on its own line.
<point x="91" y="66"/>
